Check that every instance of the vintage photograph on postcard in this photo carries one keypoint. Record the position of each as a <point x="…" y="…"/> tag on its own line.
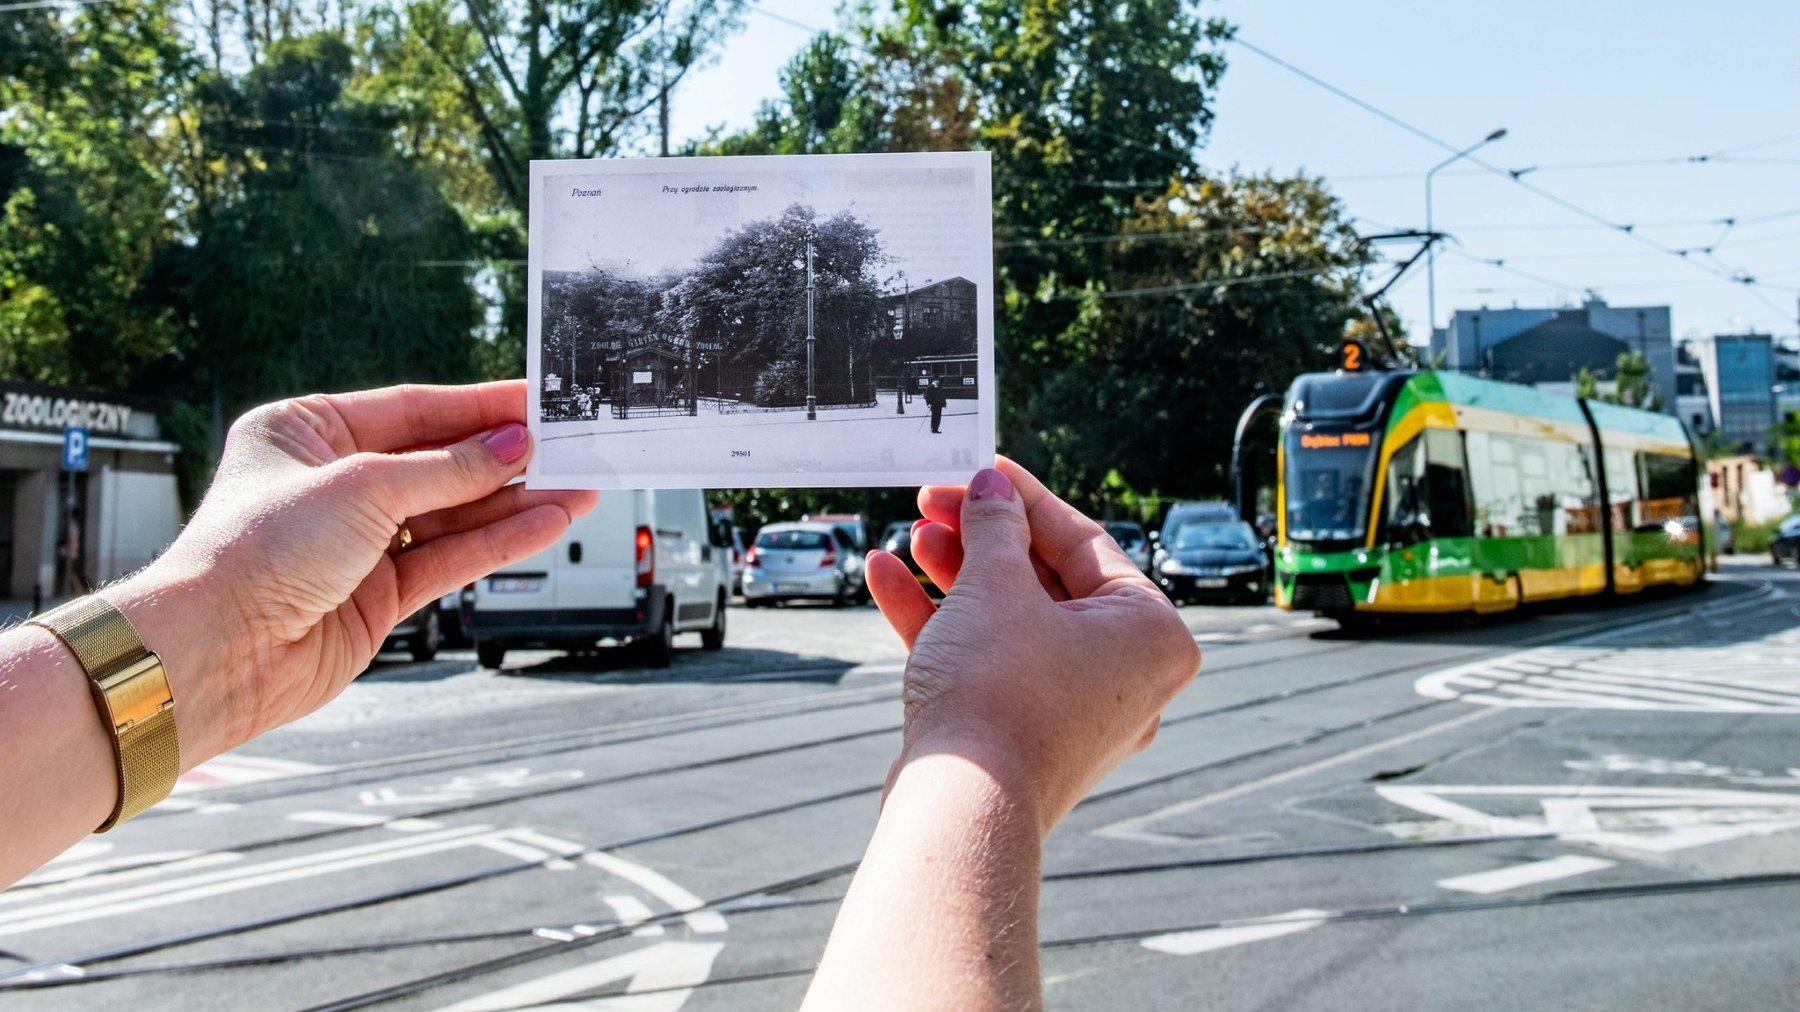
<point x="814" y="320"/>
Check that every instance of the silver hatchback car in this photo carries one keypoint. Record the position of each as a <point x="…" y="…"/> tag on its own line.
<point x="802" y="560"/>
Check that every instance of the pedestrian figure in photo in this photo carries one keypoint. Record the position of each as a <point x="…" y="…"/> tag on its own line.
<point x="934" y="399"/>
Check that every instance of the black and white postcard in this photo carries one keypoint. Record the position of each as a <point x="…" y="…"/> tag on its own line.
<point x="814" y="320"/>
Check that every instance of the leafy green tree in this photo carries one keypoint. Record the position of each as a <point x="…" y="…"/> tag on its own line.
<point x="84" y="194"/>
<point x="1633" y="383"/>
<point x="338" y="266"/>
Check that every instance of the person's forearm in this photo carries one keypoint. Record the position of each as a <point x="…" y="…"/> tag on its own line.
<point x="57" y="756"/>
<point x="59" y="767"/>
<point x="943" y="911"/>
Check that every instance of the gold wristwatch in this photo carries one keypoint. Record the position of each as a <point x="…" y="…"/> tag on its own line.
<point x="132" y="694"/>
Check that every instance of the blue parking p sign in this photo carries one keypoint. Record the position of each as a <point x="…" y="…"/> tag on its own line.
<point x="75" y="449"/>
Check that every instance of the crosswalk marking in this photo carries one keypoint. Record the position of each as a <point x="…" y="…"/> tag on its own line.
<point x="1749" y="676"/>
<point x="231" y="770"/>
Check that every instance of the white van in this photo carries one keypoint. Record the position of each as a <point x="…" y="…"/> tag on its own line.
<point x="643" y="566"/>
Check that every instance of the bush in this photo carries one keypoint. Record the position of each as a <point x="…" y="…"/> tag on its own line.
<point x="1753" y="539"/>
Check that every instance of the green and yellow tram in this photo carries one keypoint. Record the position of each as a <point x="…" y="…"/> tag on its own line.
<point x="1414" y="491"/>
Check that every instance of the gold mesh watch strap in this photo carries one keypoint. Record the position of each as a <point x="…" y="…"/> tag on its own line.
<point x="132" y="694"/>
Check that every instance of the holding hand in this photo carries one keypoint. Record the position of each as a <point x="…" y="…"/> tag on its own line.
<point x="1045" y="666"/>
<point x="1051" y="655"/>
<point x="292" y="558"/>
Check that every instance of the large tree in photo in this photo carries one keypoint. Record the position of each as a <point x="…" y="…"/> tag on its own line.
<point x="747" y="295"/>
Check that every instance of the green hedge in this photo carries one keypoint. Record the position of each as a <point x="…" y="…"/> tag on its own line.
<point x="1753" y="539"/>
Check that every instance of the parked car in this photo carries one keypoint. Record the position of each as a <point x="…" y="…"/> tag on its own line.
<point x="1784" y="547"/>
<point x="803" y="560"/>
<point x="898" y="541"/>
<point x="1132" y="540"/>
<point x="1207" y="557"/>
<point x="422" y="632"/>
<point x="854" y="527"/>
<point x="638" y="569"/>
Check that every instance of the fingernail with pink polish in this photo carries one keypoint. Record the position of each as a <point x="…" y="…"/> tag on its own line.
<point x="989" y="484"/>
<point x="507" y="443"/>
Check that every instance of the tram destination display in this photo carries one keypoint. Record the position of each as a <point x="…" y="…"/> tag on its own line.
<point x="788" y="321"/>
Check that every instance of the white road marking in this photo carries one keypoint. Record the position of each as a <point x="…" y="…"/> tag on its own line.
<point x="337" y="818"/>
<point x="656" y="967"/>
<point x="1135" y="827"/>
<point x="1655" y="820"/>
<point x="180" y="890"/>
<point x="50" y="883"/>
<point x="501" y="844"/>
<point x="86" y="848"/>
<point x="231" y="770"/>
<point x="1752" y="676"/>
<point x="631" y="911"/>
<point x="1188" y="943"/>
<point x="1500" y="880"/>
<point x="702" y="921"/>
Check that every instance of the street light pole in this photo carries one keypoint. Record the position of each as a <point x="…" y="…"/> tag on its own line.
<point x="812" y="400"/>
<point x="1431" y="246"/>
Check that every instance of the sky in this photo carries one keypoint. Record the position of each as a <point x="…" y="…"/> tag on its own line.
<point x="1651" y="84"/>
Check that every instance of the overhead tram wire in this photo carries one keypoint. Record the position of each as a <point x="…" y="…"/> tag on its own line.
<point x="1729" y="275"/>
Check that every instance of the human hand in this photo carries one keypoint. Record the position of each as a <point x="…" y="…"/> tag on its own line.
<point x="282" y="586"/>
<point x="1051" y="655"/>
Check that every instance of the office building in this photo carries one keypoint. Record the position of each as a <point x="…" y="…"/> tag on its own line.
<point x="1548" y="347"/>
<point x="1740" y="382"/>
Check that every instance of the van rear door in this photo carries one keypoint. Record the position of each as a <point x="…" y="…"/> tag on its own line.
<point x="596" y="563"/>
<point x="684" y="555"/>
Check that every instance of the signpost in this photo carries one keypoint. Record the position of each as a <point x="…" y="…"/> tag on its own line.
<point x="75" y="449"/>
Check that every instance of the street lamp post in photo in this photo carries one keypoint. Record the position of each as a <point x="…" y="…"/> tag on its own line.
<point x="812" y="400"/>
<point x="1430" y="248"/>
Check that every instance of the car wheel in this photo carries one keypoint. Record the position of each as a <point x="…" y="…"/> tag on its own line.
<point x="842" y="596"/>
<point x="490" y="654"/>
<point x="714" y="638"/>
<point x="659" y="649"/>
<point x="426" y="641"/>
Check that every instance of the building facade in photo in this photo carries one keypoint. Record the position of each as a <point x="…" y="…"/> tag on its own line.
<point x="1548" y="347"/>
<point x="1741" y="384"/>
<point x="65" y="531"/>
<point x="945" y="304"/>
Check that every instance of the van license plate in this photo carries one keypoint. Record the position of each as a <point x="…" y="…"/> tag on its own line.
<point x="1211" y="582"/>
<point x="515" y="584"/>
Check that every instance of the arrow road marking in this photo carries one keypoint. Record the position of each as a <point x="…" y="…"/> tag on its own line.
<point x="1499" y="880"/>
<point x="1656" y="820"/>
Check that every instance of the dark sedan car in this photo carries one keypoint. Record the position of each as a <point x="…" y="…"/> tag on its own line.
<point x="898" y="541"/>
<point x="1210" y="558"/>
<point x="1784" y="547"/>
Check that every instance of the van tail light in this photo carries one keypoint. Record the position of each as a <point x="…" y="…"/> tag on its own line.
<point x="646" y="557"/>
<point x="752" y="559"/>
<point x="829" y="559"/>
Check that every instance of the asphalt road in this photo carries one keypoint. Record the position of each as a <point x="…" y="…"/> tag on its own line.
<point x="1593" y="808"/>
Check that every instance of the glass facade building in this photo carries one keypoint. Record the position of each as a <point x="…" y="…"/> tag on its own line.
<point x="1740" y="376"/>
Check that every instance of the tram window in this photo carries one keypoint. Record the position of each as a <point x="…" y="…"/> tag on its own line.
<point x="1621" y="488"/>
<point x="1494" y="478"/>
<point x="1446" y="484"/>
<point x="1667" y="483"/>
<point x="1407" y="518"/>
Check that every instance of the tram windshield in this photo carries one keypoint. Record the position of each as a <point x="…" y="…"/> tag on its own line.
<point x="1328" y="485"/>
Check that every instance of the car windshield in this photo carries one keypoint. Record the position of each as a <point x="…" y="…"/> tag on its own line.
<point x="1328" y="485"/>
<point x="1212" y="536"/>
<point x="793" y="540"/>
